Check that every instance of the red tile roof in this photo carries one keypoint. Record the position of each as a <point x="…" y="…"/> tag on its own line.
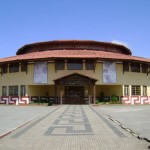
<point x="74" y="45"/>
<point x="89" y="54"/>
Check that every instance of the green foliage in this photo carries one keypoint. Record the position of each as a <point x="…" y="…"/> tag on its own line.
<point x="114" y="99"/>
<point x="97" y="101"/>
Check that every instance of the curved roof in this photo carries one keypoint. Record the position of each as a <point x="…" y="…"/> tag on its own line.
<point x="74" y="45"/>
<point x="73" y="54"/>
<point x="73" y="49"/>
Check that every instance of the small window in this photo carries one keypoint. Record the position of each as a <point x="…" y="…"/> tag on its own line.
<point x="75" y="65"/>
<point x="89" y="65"/>
<point x="24" y="66"/>
<point x="4" y="90"/>
<point x="126" y="90"/>
<point x="125" y="66"/>
<point x="135" y="67"/>
<point x="4" y="68"/>
<point x="136" y="90"/>
<point x="13" y="90"/>
<point x="144" y="68"/>
<point x="22" y="90"/>
<point x="144" y="90"/>
<point x="14" y="67"/>
<point x="60" y="65"/>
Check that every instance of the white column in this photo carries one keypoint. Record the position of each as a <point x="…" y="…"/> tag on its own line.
<point x="141" y="90"/>
<point x="26" y="90"/>
<point x="89" y="99"/>
<point x="130" y="93"/>
<point x="89" y="94"/>
<point x="94" y="94"/>
<point x="122" y="90"/>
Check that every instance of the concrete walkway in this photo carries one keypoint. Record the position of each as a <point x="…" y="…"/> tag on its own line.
<point x="134" y="119"/>
<point x="70" y="127"/>
<point x="12" y="117"/>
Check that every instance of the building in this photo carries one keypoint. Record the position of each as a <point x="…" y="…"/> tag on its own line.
<point x="74" y="72"/>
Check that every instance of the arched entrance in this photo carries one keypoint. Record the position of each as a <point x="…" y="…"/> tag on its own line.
<point x="74" y="88"/>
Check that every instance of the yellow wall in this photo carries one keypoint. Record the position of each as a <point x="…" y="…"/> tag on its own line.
<point x="148" y="91"/>
<point x="18" y="78"/>
<point x="109" y="90"/>
<point x="40" y="90"/>
<point x="132" y="78"/>
<point x="52" y="74"/>
<point x="23" y="78"/>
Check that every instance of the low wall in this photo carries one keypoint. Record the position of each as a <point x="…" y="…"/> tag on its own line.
<point x="133" y="100"/>
<point x="25" y="100"/>
<point x="17" y="100"/>
<point x="14" y="100"/>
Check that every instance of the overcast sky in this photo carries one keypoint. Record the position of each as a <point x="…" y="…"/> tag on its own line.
<point x="120" y="21"/>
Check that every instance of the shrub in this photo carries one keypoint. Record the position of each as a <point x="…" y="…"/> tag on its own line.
<point x="97" y="101"/>
<point x="114" y="99"/>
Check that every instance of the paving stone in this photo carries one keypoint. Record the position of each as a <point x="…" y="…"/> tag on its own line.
<point x="91" y="130"/>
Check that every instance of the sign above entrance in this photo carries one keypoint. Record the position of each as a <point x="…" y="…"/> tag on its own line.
<point x="75" y="80"/>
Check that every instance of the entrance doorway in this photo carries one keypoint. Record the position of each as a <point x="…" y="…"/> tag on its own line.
<point x="72" y="88"/>
<point x="74" y="95"/>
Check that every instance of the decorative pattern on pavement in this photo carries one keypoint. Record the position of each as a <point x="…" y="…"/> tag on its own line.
<point x="73" y="121"/>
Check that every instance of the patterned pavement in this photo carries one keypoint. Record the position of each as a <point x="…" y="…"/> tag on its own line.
<point x="72" y="127"/>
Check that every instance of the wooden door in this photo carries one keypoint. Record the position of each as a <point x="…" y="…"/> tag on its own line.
<point x="74" y="95"/>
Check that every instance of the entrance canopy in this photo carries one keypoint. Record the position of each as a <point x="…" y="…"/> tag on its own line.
<point x="74" y="86"/>
<point x="75" y="79"/>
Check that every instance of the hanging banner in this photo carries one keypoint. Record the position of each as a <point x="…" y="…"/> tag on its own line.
<point x="109" y="72"/>
<point x="40" y="72"/>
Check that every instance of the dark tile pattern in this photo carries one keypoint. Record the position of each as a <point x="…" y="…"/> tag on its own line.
<point x="73" y="121"/>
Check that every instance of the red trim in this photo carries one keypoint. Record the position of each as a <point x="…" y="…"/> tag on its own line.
<point x="4" y="100"/>
<point x="24" y="100"/>
<point x="125" y="100"/>
<point x="14" y="100"/>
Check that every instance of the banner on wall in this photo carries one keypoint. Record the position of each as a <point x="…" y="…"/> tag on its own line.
<point x="40" y="72"/>
<point x="109" y="72"/>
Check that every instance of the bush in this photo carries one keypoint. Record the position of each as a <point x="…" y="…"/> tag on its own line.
<point x="97" y="101"/>
<point x="114" y="99"/>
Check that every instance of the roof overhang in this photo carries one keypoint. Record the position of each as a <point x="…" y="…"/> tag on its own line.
<point x="73" y="54"/>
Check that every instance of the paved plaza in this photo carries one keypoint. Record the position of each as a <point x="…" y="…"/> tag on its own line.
<point x="135" y="119"/>
<point x="67" y="127"/>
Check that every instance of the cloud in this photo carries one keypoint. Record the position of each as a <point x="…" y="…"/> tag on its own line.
<point x="120" y="43"/>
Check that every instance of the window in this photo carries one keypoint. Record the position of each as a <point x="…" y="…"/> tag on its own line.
<point x="14" y="67"/>
<point x="144" y="68"/>
<point x="60" y="65"/>
<point x="144" y="91"/>
<point x="75" y="65"/>
<point x="24" y="66"/>
<point x="136" y="90"/>
<point x="4" y="68"/>
<point x="13" y="90"/>
<point x="125" y="66"/>
<point x="22" y="90"/>
<point x="89" y="65"/>
<point x="126" y="90"/>
<point x="135" y="67"/>
<point x="4" y="90"/>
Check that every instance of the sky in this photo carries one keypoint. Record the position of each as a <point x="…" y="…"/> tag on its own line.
<point x="124" y="22"/>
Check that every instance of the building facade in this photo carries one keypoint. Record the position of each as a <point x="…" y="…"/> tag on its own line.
<point x="74" y="72"/>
